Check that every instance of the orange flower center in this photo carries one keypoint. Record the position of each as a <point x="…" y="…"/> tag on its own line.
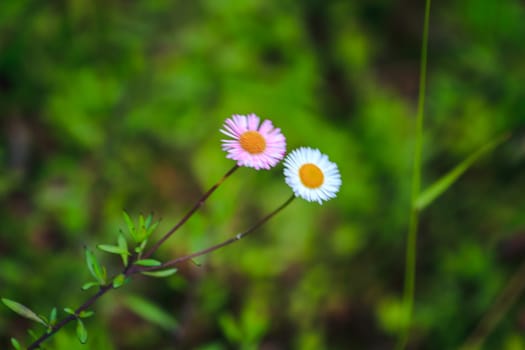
<point x="252" y="142"/>
<point x="311" y="176"/>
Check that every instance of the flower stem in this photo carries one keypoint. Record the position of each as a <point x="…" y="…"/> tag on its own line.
<point x="132" y="269"/>
<point x="220" y="245"/>
<point x="197" y="205"/>
<point x="410" y="263"/>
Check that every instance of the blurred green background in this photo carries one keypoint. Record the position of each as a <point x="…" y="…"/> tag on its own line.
<point x="112" y="105"/>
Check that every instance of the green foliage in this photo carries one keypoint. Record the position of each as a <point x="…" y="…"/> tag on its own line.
<point x="120" y="249"/>
<point x="148" y="262"/>
<point x="53" y="317"/>
<point x="81" y="331"/>
<point x="150" y="312"/>
<point x="15" y="344"/>
<point x="88" y="285"/>
<point x="23" y="311"/>
<point x="247" y="331"/>
<point x="141" y="232"/>
<point x="160" y="273"/>
<point x="118" y="105"/>
<point x="119" y="280"/>
<point x="85" y="314"/>
<point x="95" y="268"/>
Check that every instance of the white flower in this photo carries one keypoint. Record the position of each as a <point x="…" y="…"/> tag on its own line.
<point x="311" y="175"/>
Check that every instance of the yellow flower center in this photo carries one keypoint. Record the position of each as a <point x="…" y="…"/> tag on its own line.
<point x="311" y="176"/>
<point x="252" y="142"/>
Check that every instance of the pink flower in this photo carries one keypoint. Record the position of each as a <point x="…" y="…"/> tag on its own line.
<point x="254" y="146"/>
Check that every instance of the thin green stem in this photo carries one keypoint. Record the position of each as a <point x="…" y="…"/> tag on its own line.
<point x="410" y="262"/>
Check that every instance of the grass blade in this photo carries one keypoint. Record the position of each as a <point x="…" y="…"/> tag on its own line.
<point x="440" y="186"/>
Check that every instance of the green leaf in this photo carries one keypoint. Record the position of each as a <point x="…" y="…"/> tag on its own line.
<point x="91" y="260"/>
<point x="113" y="249"/>
<point x="160" y="274"/>
<point x="44" y="318"/>
<point x="141" y="231"/>
<point x="81" y="331"/>
<point x="23" y="311"/>
<point x="231" y="329"/>
<point x="152" y="228"/>
<point x="32" y="334"/>
<point x="141" y="222"/>
<point x="15" y="344"/>
<point x="97" y="271"/>
<point x="141" y="247"/>
<point x="131" y="226"/>
<point x="146" y="227"/>
<point x="53" y="316"/>
<point x="123" y="244"/>
<point x="147" y="223"/>
<point x="86" y="314"/>
<point x="150" y="312"/>
<point x="148" y="262"/>
<point x="88" y="285"/>
<point x="119" y="280"/>
<point x="70" y="311"/>
<point x="441" y="185"/>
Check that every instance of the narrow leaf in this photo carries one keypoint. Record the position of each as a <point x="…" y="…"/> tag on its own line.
<point x="113" y="249"/>
<point x="81" y="331"/>
<point x="141" y="234"/>
<point x="44" y="318"/>
<point x="88" y="285"/>
<point x="141" y="221"/>
<point x="94" y="267"/>
<point x="123" y="244"/>
<point x="32" y="334"/>
<point x="103" y="275"/>
<point x="85" y="314"/>
<point x="23" y="311"/>
<point x="53" y="316"/>
<point x="90" y="261"/>
<point x="441" y="185"/>
<point x="119" y="280"/>
<point x="160" y="274"/>
<point x="141" y="247"/>
<point x="131" y="226"/>
<point x="147" y="223"/>
<point x="151" y="312"/>
<point x="70" y="311"/>
<point x="152" y="228"/>
<point x="15" y="344"/>
<point x="148" y="262"/>
<point x="230" y="328"/>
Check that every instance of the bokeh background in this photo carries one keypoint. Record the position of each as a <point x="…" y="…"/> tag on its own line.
<point x="112" y="105"/>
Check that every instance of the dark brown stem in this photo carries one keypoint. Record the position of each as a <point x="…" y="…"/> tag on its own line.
<point x="189" y="214"/>
<point x="103" y="290"/>
<point x="237" y="237"/>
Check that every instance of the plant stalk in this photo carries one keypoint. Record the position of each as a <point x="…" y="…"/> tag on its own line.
<point x="411" y="245"/>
